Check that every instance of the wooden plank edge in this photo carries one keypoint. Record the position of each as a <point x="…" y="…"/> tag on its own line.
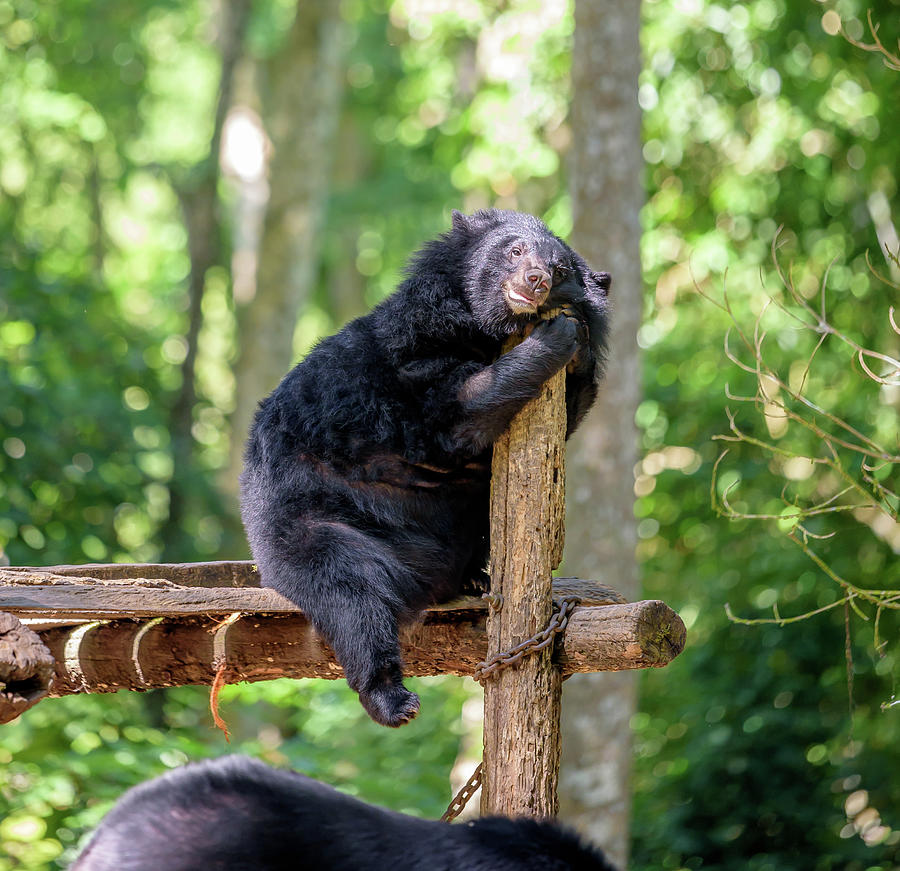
<point x="51" y="597"/>
<point x="223" y="573"/>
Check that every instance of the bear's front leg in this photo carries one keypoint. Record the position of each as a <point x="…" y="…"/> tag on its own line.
<point x="491" y="397"/>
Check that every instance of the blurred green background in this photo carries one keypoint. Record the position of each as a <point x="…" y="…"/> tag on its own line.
<point x="751" y="753"/>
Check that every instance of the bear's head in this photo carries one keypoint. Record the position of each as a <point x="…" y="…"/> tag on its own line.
<point x="515" y="269"/>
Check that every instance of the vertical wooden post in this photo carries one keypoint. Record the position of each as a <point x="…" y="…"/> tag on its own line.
<point x="522" y="703"/>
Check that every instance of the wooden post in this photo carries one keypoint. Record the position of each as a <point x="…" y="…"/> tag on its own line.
<point x="522" y="703"/>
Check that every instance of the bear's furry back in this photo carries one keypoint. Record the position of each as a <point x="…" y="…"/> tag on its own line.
<point x="359" y="389"/>
<point x="237" y="814"/>
<point x="387" y="381"/>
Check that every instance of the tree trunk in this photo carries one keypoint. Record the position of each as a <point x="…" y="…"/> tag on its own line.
<point x="199" y="200"/>
<point x="346" y="297"/>
<point x="601" y="534"/>
<point x="301" y="107"/>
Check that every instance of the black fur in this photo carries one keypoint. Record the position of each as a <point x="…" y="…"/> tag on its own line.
<point x="237" y="814"/>
<point x="367" y="472"/>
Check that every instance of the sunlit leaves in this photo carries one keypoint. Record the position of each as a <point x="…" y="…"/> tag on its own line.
<point x="747" y="128"/>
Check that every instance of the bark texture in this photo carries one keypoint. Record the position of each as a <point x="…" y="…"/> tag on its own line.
<point x="220" y="573"/>
<point x="99" y="656"/>
<point x="302" y="96"/>
<point x="26" y="668"/>
<point x="522" y="703"/>
<point x="606" y="170"/>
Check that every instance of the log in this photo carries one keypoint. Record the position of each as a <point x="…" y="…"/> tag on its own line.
<point x="522" y="704"/>
<point x="100" y="657"/>
<point x="26" y="668"/>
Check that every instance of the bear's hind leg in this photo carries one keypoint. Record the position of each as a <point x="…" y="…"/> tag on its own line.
<point x="352" y="589"/>
<point x="364" y="639"/>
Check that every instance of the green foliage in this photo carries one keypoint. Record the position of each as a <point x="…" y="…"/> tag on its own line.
<point x="80" y="468"/>
<point x="94" y="268"/>
<point x="746" y="754"/>
<point x="830" y="441"/>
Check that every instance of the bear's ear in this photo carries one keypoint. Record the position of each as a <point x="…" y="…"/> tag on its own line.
<point x="459" y="221"/>
<point x="601" y="282"/>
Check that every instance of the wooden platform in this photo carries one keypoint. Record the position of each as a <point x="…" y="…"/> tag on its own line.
<point x="119" y="626"/>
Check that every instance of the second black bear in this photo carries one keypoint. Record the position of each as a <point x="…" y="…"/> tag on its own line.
<point x="236" y="814"/>
<point x="367" y="472"/>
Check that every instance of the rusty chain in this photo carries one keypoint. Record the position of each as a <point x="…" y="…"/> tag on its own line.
<point x="461" y="799"/>
<point x="542" y="639"/>
<point x="499" y="661"/>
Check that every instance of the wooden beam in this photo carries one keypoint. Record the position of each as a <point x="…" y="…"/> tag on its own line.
<point x="522" y="704"/>
<point x="223" y="573"/>
<point x="105" y="656"/>
<point x="51" y="596"/>
<point x="111" y="627"/>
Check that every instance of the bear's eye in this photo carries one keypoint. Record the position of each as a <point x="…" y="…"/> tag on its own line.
<point x="516" y="251"/>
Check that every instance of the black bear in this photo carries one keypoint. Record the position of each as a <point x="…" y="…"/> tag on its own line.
<point x="367" y="472"/>
<point x="237" y="814"/>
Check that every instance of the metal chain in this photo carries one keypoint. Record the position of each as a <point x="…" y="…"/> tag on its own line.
<point x="483" y="670"/>
<point x="558" y="623"/>
<point x="461" y="799"/>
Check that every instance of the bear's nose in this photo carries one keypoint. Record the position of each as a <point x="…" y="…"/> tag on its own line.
<point x="538" y="279"/>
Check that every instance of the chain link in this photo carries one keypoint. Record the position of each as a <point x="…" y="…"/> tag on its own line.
<point x="461" y="799"/>
<point x="558" y="623"/>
